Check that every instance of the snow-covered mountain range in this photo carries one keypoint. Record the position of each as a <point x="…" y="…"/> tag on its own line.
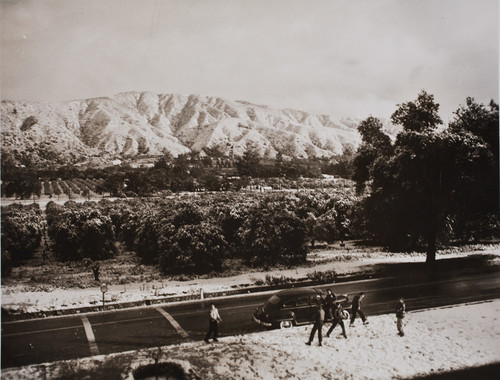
<point x="137" y="123"/>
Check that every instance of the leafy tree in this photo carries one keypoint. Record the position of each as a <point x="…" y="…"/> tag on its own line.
<point x="187" y="213"/>
<point x="151" y="229"/>
<point x="418" y="116"/>
<point x="279" y="165"/>
<point x="181" y="168"/>
<point x="194" y="248"/>
<point x="335" y="223"/>
<point x="249" y="163"/>
<point x="477" y="214"/>
<point x="324" y="228"/>
<point x="22" y="182"/>
<point x="342" y="166"/>
<point x="81" y="231"/>
<point x="21" y="232"/>
<point x="417" y="190"/>
<point x="310" y="203"/>
<point x="291" y="169"/>
<point x="273" y="235"/>
<point x="165" y="161"/>
<point x="230" y="217"/>
<point x="114" y="183"/>
<point x="211" y="181"/>
<point x="375" y="145"/>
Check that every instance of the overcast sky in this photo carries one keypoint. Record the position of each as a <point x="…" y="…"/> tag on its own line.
<point x="345" y="58"/>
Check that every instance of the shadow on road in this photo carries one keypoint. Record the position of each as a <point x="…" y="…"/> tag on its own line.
<point x="487" y="372"/>
<point x="454" y="266"/>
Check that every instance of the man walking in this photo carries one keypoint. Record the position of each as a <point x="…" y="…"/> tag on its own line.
<point x="356" y="308"/>
<point x="318" y="326"/>
<point x="213" y="321"/>
<point x="329" y="304"/>
<point x="338" y="316"/>
<point x="400" y="314"/>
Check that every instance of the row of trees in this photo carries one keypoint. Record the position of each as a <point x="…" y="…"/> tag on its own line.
<point x="432" y="183"/>
<point x="196" y="236"/>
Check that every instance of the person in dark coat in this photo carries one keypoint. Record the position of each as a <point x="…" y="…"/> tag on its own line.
<point x="213" y="323"/>
<point x="329" y="304"/>
<point x="338" y="319"/>
<point x="318" y="325"/>
<point x="356" y="308"/>
<point x="400" y="314"/>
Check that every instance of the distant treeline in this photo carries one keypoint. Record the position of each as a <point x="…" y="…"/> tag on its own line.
<point x="183" y="173"/>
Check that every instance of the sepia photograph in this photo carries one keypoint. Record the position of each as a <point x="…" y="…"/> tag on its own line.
<point x="265" y="189"/>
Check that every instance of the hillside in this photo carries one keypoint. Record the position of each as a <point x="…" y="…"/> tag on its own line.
<point x="138" y="123"/>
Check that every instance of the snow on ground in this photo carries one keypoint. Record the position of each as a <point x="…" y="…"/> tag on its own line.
<point x="436" y="340"/>
<point x="18" y="298"/>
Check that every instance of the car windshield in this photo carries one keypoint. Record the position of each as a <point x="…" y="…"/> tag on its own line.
<point x="274" y="300"/>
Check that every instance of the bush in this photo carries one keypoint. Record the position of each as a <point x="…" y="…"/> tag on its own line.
<point x="198" y="248"/>
<point x="272" y="235"/>
<point x="21" y="231"/>
<point x="146" y="243"/>
<point x="81" y="231"/>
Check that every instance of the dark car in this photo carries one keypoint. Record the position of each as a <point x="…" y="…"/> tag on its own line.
<point x="292" y="307"/>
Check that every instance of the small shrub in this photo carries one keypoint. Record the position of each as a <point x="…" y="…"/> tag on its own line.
<point x="259" y="282"/>
<point x="328" y="276"/>
<point x="280" y="280"/>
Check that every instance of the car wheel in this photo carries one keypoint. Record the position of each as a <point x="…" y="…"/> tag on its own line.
<point x="286" y="324"/>
<point x="345" y="314"/>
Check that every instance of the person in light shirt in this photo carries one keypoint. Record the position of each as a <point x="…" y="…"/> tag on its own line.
<point x="213" y="320"/>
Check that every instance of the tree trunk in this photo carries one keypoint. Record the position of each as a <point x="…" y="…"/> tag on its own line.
<point x="431" y="254"/>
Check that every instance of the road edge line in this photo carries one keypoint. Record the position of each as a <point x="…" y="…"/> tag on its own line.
<point x="94" y="350"/>
<point x="173" y="322"/>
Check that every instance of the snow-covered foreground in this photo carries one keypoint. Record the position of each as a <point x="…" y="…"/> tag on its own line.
<point x="436" y="340"/>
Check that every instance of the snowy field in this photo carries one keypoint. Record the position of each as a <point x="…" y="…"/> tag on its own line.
<point x="436" y="341"/>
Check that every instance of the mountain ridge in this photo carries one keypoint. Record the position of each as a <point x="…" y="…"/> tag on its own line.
<point x="134" y="123"/>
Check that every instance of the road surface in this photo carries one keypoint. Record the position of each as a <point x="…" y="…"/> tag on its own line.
<point x="69" y="337"/>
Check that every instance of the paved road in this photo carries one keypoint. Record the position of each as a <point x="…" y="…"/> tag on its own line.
<point x="57" y="338"/>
